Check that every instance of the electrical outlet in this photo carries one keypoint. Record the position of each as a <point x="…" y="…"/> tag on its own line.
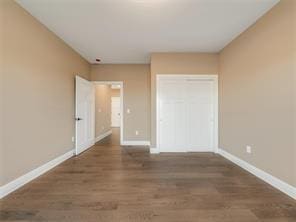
<point x="137" y="132"/>
<point x="248" y="149"/>
<point x="73" y="139"/>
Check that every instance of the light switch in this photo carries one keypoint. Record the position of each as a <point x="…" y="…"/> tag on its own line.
<point x="128" y="111"/>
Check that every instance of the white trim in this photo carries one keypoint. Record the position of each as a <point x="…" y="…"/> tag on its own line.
<point x="154" y="150"/>
<point x="115" y="87"/>
<point x="268" y="178"/>
<point x="135" y="143"/>
<point x="103" y="135"/>
<point x="212" y="77"/>
<point x="121" y="103"/>
<point x="22" y="180"/>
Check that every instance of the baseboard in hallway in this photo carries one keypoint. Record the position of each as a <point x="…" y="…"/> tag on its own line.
<point x="135" y="143"/>
<point x="102" y="136"/>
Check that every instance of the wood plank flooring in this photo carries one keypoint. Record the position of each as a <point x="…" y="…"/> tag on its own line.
<point x="123" y="184"/>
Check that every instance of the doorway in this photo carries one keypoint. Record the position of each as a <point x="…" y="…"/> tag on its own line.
<point x="187" y="113"/>
<point x="115" y="106"/>
<point x="94" y="115"/>
<point x="115" y="111"/>
<point x="109" y="112"/>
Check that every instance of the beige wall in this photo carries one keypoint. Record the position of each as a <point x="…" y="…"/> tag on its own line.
<point x="103" y="109"/>
<point x="178" y="63"/>
<point x="1" y="92"/>
<point x="257" y="93"/>
<point x="38" y="78"/>
<point x="136" y="90"/>
<point x="294" y="82"/>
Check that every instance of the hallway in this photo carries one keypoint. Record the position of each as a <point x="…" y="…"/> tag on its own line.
<point x="111" y="183"/>
<point x="111" y="140"/>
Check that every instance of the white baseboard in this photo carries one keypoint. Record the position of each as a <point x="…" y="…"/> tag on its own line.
<point x="268" y="178"/>
<point x="22" y="180"/>
<point x="154" y="150"/>
<point x="102" y="136"/>
<point x="136" y="143"/>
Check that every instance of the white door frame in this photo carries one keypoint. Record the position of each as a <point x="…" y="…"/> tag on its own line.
<point x="214" y="78"/>
<point x="121" y="102"/>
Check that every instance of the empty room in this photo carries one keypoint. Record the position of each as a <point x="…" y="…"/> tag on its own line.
<point x="148" y="110"/>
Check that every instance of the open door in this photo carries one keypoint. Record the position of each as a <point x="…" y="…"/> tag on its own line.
<point x="85" y="115"/>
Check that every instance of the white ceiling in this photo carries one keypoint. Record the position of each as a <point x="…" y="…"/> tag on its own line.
<point x="127" y="31"/>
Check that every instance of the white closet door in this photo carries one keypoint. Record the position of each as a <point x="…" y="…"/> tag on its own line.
<point x="200" y="115"/>
<point x="186" y="114"/>
<point x="172" y="117"/>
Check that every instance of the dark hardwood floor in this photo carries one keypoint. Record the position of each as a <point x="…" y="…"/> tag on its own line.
<point x="112" y="183"/>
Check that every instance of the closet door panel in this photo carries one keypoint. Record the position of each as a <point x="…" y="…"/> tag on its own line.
<point x="200" y="115"/>
<point x="172" y="118"/>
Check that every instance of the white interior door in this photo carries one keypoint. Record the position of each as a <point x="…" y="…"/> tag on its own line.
<point x="115" y="112"/>
<point x="186" y="114"/>
<point x="85" y="114"/>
